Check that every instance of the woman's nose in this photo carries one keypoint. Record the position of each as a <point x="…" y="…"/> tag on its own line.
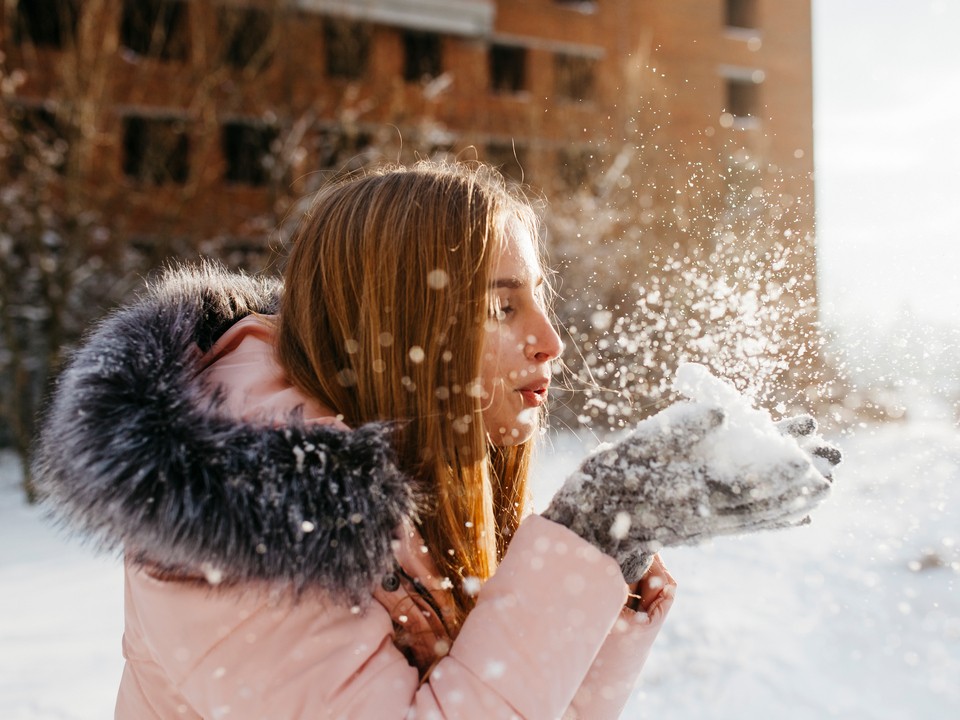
<point x="543" y="344"/>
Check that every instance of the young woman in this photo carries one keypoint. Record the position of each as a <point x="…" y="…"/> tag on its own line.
<point x="320" y="488"/>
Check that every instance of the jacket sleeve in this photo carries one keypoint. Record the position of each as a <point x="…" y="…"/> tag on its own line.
<point x="616" y="670"/>
<point x="524" y="650"/>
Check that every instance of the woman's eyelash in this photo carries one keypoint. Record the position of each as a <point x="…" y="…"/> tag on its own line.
<point x="500" y="309"/>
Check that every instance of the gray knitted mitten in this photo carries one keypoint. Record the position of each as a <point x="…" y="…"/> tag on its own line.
<point x="824" y="456"/>
<point x="683" y="476"/>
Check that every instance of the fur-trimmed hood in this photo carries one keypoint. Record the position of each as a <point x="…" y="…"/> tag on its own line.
<point x="135" y="453"/>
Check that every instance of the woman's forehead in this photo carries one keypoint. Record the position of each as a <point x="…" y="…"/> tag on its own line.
<point x="517" y="253"/>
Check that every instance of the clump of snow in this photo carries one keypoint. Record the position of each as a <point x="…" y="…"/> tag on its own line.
<point x="214" y="575"/>
<point x="471" y="585"/>
<point x="621" y="526"/>
<point x="695" y="381"/>
<point x="748" y="439"/>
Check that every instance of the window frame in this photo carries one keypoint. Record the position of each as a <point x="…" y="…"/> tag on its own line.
<point x="154" y="165"/>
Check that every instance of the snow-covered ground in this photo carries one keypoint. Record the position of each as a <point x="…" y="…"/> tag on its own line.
<point x="855" y="616"/>
<point x="61" y="617"/>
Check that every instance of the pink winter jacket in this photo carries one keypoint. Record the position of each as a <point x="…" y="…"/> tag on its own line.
<point x="549" y="636"/>
<point x="272" y="565"/>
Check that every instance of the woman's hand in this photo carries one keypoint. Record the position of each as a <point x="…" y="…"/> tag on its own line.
<point x="679" y="478"/>
<point x="824" y="456"/>
<point x="655" y="582"/>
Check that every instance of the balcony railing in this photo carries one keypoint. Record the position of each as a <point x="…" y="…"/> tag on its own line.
<point x="457" y="17"/>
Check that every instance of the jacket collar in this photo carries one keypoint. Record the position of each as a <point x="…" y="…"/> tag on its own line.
<point x="135" y="453"/>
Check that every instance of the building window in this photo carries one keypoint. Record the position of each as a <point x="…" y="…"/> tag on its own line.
<point x="742" y="14"/>
<point x="347" y="48"/>
<point x="248" y="150"/>
<point x="574" y="167"/>
<point x="510" y="159"/>
<point x="245" y="34"/>
<point x="508" y="68"/>
<point x="156" y="28"/>
<point x="39" y="137"/>
<point x="156" y="150"/>
<point x="743" y="98"/>
<point x="574" y="76"/>
<point x="422" y="58"/>
<point x="49" y="23"/>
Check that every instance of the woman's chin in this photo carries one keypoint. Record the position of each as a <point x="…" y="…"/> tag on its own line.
<point x="523" y="429"/>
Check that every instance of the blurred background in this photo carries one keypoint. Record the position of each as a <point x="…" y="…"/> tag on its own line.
<point x="762" y="186"/>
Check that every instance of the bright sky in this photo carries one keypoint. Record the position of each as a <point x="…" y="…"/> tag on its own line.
<point x="887" y="152"/>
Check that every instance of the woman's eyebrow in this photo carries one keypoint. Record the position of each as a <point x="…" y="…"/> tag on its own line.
<point x="514" y="283"/>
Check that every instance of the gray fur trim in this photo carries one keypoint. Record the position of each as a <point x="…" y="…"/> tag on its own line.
<point x="134" y="453"/>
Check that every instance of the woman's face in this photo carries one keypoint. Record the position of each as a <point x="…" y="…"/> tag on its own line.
<point x="519" y="343"/>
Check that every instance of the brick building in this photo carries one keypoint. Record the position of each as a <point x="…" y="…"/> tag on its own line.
<point x="136" y="130"/>
<point x="218" y="107"/>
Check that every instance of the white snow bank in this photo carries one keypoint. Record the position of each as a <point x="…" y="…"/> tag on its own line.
<point x="856" y="616"/>
<point x="61" y="617"/>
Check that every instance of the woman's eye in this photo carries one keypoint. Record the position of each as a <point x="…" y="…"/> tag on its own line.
<point x="501" y="309"/>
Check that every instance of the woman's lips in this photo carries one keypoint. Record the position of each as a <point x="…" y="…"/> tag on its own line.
<point x="534" y="395"/>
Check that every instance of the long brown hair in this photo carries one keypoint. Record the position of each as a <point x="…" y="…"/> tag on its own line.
<point x="382" y="319"/>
